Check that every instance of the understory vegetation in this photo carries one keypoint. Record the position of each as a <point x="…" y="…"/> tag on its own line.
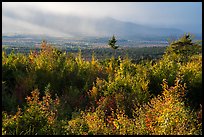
<point x="51" y="92"/>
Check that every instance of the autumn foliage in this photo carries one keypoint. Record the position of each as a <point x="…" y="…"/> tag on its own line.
<point x="57" y="93"/>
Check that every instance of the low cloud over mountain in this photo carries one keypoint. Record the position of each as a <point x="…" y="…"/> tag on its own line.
<point x="39" y="22"/>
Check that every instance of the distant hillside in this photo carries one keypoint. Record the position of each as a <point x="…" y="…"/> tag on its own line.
<point x="78" y="26"/>
<point x="134" y="31"/>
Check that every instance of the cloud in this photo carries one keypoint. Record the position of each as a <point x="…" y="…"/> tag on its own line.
<point x="10" y="25"/>
<point x="182" y="15"/>
<point x="40" y="22"/>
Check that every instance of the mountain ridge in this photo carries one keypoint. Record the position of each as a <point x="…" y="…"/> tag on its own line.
<point x="79" y="26"/>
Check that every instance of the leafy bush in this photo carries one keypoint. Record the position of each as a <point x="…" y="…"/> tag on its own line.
<point x="37" y="118"/>
<point x="127" y="85"/>
<point x="109" y="97"/>
<point x="96" y="123"/>
<point x="165" y="68"/>
<point x="184" y="47"/>
<point x="191" y="74"/>
<point x="167" y="114"/>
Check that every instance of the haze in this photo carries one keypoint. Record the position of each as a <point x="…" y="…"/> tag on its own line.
<point x="35" y="17"/>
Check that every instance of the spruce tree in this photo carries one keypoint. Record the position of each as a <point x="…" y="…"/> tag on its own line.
<point x="112" y="43"/>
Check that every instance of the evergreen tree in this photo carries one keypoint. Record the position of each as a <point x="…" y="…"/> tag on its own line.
<point x="185" y="46"/>
<point x="112" y="43"/>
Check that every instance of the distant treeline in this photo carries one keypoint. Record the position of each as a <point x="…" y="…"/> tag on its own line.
<point x="135" y="53"/>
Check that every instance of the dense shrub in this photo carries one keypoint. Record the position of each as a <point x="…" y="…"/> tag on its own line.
<point x="127" y="85"/>
<point x="191" y="74"/>
<point x="39" y="117"/>
<point x="110" y="97"/>
<point x="167" y="114"/>
<point x="165" y="68"/>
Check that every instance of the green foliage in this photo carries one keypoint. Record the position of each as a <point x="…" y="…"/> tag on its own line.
<point x="182" y="59"/>
<point x="112" y="42"/>
<point x="191" y="74"/>
<point x="184" y="47"/>
<point x="165" y="68"/>
<point x="8" y="100"/>
<point x="167" y="114"/>
<point x="110" y="97"/>
<point x="127" y="85"/>
<point x="37" y="118"/>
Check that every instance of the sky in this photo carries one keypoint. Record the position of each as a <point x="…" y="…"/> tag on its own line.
<point x="186" y="16"/>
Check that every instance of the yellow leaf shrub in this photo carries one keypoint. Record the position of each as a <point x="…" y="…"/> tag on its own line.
<point x="167" y="114"/>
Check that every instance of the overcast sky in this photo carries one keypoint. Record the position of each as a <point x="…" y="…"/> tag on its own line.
<point x="186" y="16"/>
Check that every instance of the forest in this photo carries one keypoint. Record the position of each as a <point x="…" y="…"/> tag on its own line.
<point x="54" y="92"/>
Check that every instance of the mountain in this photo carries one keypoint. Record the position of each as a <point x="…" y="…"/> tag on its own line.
<point x="133" y="31"/>
<point x="39" y="22"/>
